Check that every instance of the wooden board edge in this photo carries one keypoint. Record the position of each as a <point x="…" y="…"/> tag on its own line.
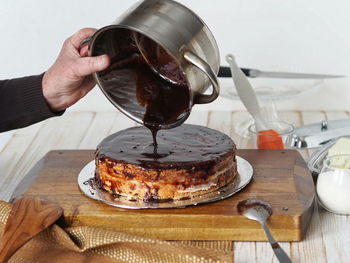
<point x="304" y="182"/>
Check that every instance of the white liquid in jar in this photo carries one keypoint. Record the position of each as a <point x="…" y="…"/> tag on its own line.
<point x="333" y="190"/>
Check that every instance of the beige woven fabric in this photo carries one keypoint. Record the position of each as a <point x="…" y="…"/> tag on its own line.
<point x="88" y="244"/>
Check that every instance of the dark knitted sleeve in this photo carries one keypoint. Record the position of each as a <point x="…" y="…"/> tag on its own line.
<point x="22" y="103"/>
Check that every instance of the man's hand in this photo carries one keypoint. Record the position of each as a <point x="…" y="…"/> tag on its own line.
<point x="69" y="78"/>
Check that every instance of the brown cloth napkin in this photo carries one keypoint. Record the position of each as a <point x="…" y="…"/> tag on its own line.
<point x="89" y="244"/>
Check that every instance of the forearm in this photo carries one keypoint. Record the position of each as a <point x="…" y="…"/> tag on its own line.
<point x="22" y="103"/>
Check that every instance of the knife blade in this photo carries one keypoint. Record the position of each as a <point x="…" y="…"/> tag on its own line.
<point x="225" y="72"/>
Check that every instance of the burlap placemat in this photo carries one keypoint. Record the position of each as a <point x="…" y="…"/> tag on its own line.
<point x="89" y="244"/>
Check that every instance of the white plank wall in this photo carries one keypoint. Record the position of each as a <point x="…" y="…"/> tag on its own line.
<point x="327" y="239"/>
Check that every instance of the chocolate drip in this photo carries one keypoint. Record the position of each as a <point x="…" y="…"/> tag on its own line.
<point x="91" y="183"/>
<point x="154" y="136"/>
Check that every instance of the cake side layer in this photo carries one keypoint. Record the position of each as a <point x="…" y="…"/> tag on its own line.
<point x="132" y="181"/>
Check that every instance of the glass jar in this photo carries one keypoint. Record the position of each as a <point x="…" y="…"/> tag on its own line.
<point x="333" y="184"/>
<point x="274" y="138"/>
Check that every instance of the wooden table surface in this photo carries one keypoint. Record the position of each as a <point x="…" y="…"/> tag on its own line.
<point x="328" y="236"/>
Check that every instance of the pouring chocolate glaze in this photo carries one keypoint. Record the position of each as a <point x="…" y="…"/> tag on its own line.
<point x="163" y="101"/>
<point x="159" y="50"/>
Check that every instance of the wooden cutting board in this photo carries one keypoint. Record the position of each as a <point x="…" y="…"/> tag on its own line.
<point x="281" y="178"/>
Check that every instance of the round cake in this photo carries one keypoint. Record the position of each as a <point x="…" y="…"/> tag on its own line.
<point x="189" y="160"/>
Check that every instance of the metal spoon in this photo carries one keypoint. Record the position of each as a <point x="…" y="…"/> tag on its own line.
<point x="260" y="211"/>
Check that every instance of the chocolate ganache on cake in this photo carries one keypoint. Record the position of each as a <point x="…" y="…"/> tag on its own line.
<point x="190" y="160"/>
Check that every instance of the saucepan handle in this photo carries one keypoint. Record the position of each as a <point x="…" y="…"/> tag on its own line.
<point x="85" y="42"/>
<point x="207" y="70"/>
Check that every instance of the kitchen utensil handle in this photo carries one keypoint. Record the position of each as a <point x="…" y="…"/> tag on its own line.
<point x="246" y="93"/>
<point x="207" y="70"/>
<point x="85" y="42"/>
<point x="279" y="252"/>
<point x="225" y="72"/>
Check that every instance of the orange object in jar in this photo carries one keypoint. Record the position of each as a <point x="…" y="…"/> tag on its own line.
<point x="269" y="139"/>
